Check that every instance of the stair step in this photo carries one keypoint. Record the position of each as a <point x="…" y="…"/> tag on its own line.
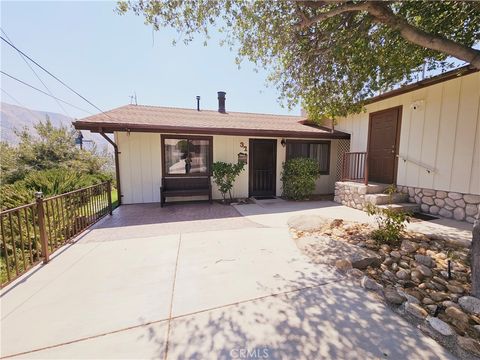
<point x="382" y="199"/>
<point x="407" y="207"/>
<point x="376" y="188"/>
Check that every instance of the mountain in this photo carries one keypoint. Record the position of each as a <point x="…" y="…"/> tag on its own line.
<point x="16" y="117"/>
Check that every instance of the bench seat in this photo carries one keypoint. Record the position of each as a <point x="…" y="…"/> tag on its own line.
<point x="185" y="186"/>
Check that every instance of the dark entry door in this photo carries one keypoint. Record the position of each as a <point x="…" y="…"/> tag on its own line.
<point x="262" y="169"/>
<point x="383" y="139"/>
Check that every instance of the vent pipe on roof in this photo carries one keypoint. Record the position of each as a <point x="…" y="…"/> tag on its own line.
<point x="198" y="103"/>
<point x="221" y="101"/>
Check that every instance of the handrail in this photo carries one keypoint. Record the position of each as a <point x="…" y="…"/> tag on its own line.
<point x="429" y="169"/>
<point x="355" y="167"/>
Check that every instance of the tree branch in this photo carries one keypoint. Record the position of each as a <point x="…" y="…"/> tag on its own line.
<point x="383" y="14"/>
<point x="347" y="7"/>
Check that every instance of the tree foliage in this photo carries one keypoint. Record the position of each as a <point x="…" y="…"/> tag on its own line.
<point x="47" y="161"/>
<point x="224" y="175"/>
<point x="298" y="177"/>
<point x="332" y="55"/>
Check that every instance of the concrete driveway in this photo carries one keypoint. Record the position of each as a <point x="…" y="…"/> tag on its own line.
<point x="198" y="281"/>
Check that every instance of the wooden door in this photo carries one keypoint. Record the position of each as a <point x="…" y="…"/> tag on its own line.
<point x="383" y="142"/>
<point x="262" y="167"/>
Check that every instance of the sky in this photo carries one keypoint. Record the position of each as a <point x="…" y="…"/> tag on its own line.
<point x="107" y="58"/>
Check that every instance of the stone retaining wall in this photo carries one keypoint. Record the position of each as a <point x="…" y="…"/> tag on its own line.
<point x="350" y="194"/>
<point x="458" y="206"/>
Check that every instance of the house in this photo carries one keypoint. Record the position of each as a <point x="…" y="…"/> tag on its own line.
<point x="176" y="145"/>
<point x="424" y="138"/>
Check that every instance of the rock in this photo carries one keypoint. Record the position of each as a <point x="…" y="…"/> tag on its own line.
<point x="440" y="280"/>
<point x="439" y="202"/>
<point x="448" y="303"/>
<point x="477" y="330"/>
<point x="394" y="267"/>
<point x="455" y="289"/>
<point x="431" y="309"/>
<point x="370" y="284"/>
<point x="425" y="271"/>
<point x="425" y="208"/>
<point x="387" y="274"/>
<point x="411" y="299"/>
<point x="441" y="194"/>
<point x="449" y="202"/>
<point x="415" y="310"/>
<point x="343" y="265"/>
<point x="470" y="304"/>
<point x="456" y="314"/>
<point x="438" y="296"/>
<point x="393" y="297"/>
<point x="454" y="195"/>
<point x="434" y="210"/>
<point x="471" y="199"/>
<point x="396" y="254"/>
<point x="403" y="274"/>
<point x="355" y="273"/>
<point x="469" y="344"/>
<point x="404" y="264"/>
<point x="427" y="200"/>
<point x="416" y="276"/>
<point x="459" y="214"/>
<point x="425" y="260"/>
<point x="428" y="192"/>
<point x="460" y="203"/>
<point x="307" y="222"/>
<point x="440" y="326"/>
<point x="409" y="246"/>
<point x="445" y="213"/>
<point x="471" y="210"/>
<point x="428" y="301"/>
<point x="361" y="260"/>
<point x="415" y="293"/>
<point x="388" y="261"/>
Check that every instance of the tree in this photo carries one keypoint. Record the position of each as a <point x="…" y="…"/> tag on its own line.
<point x="331" y="54"/>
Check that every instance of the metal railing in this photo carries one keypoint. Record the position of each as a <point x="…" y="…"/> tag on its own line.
<point x="355" y="167"/>
<point x="32" y="232"/>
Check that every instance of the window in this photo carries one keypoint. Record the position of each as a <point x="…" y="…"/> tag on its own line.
<point x="317" y="150"/>
<point x="186" y="155"/>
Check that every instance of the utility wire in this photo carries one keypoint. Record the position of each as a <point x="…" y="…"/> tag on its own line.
<point x="38" y="77"/>
<point x="20" y="104"/>
<point x="56" y="78"/>
<point x="43" y="92"/>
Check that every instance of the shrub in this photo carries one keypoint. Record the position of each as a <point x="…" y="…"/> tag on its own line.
<point x="298" y="177"/>
<point x="224" y="175"/>
<point x="391" y="224"/>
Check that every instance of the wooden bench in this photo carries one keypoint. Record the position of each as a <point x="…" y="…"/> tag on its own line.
<point x="185" y="186"/>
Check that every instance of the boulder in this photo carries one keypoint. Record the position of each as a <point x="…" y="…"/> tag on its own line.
<point x="470" y="304"/>
<point x="393" y="297"/>
<point x="425" y="271"/>
<point x="440" y="326"/>
<point x="409" y="246"/>
<point x="456" y="314"/>
<point x="472" y="199"/>
<point x="403" y="274"/>
<point x="438" y="296"/>
<point x="425" y="260"/>
<point x="370" y="284"/>
<point x="415" y="310"/>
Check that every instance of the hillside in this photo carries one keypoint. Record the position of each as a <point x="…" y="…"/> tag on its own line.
<point x="17" y="117"/>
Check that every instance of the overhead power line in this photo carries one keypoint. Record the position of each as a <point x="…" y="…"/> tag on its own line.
<point x="38" y="77"/>
<point x="56" y="78"/>
<point x="43" y="92"/>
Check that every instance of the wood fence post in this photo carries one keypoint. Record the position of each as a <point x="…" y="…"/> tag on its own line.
<point x="41" y="226"/>
<point x="109" y="196"/>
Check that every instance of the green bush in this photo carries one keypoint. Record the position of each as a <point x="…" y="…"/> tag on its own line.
<point x="391" y="224"/>
<point x="298" y="177"/>
<point x="224" y="175"/>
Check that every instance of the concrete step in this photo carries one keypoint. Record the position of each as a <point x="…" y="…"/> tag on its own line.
<point x="382" y="199"/>
<point x="407" y="207"/>
<point x="374" y="188"/>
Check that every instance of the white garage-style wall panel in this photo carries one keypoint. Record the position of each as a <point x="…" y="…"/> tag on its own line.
<point x="443" y="134"/>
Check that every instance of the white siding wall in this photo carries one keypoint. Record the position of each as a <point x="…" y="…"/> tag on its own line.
<point x="141" y="170"/>
<point x="443" y="134"/>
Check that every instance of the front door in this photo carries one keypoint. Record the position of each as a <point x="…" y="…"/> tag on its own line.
<point x="383" y="141"/>
<point x="262" y="167"/>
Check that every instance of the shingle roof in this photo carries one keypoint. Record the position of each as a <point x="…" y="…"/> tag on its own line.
<point x="178" y="120"/>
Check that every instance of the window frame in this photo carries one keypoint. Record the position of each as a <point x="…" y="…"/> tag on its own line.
<point x="187" y="137"/>
<point x="309" y="142"/>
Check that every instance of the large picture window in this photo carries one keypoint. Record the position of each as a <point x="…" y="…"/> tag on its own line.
<point x="186" y="155"/>
<point x="316" y="150"/>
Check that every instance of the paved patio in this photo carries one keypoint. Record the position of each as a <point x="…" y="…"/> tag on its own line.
<point x="200" y="281"/>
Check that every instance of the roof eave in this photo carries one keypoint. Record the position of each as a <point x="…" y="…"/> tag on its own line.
<point x="112" y="127"/>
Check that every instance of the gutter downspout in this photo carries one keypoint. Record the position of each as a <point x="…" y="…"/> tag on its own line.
<point x="117" y="167"/>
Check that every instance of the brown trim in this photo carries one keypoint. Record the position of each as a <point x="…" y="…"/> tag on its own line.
<point x="250" y="164"/>
<point x="313" y="142"/>
<point x="449" y="75"/>
<point x="397" y="137"/>
<point x="129" y="127"/>
<point x="117" y="166"/>
<point x="186" y="137"/>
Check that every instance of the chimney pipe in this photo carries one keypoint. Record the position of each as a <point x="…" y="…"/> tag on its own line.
<point x="198" y="103"/>
<point x="221" y="101"/>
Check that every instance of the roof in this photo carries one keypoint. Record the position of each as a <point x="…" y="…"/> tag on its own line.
<point x="446" y="76"/>
<point x="177" y="120"/>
